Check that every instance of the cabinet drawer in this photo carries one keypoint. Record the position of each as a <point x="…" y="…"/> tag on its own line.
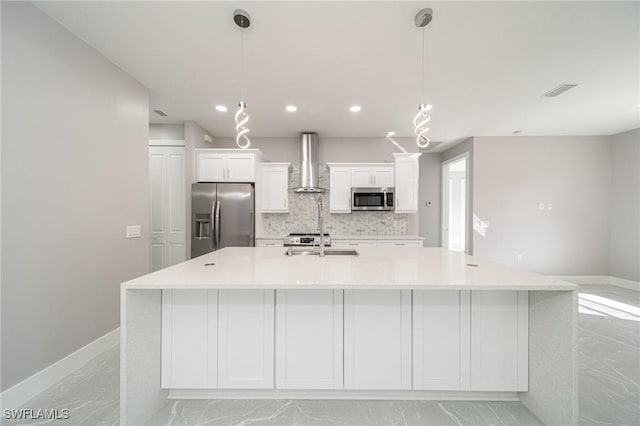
<point x="399" y="243"/>
<point x="353" y="243"/>
<point x="269" y="243"/>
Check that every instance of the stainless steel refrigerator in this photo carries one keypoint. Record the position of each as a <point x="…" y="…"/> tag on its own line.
<point x="222" y="215"/>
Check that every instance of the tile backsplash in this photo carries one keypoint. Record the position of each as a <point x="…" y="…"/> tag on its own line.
<point x="303" y="215"/>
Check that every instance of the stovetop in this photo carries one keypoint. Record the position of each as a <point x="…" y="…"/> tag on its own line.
<point x="306" y="239"/>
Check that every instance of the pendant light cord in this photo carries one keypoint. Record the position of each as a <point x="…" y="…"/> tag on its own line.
<point x="422" y="75"/>
<point x="242" y="65"/>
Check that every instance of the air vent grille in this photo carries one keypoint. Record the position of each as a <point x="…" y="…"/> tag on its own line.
<point x="160" y="112"/>
<point x="558" y="90"/>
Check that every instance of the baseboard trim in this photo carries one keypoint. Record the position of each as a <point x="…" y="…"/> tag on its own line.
<point x="601" y="280"/>
<point x="343" y="394"/>
<point x="27" y="389"/>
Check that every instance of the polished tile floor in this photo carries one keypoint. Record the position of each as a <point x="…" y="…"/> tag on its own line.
<point x="609" y="360"/>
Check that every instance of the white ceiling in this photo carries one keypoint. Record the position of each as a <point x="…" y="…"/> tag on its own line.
<point x="487" y="63"/>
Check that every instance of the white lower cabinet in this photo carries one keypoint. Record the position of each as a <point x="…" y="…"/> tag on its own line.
<point x="499" y="340"/>
<point x="353" y="243"/>
<point x="377" y="339"/>
<point x="399" y="243"/>
<point x="441" y="340"/>
<point x="270" y="243"/>
<point x="246" y="339"/>
<point x="309" y="325"/>
<point x="189" y="339"/>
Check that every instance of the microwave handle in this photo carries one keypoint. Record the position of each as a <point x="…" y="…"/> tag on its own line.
<point x="384" y="197"/>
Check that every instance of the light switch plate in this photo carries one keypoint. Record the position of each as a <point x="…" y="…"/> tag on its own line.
<point x="134" y="231"/>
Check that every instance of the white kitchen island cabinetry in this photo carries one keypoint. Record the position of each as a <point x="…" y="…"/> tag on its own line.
<point x="189" y="339"/>
<point x="377" y="339"/>
<point x="309" y="330"/>
<point x="246" y="339"/>
<point x="226" y="165"/>
<point x="418" y="323"/>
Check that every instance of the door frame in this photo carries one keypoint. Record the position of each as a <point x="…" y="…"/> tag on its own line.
<point x="445" y="201"/>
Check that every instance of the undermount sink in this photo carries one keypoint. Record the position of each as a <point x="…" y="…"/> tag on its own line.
<point x="327" y="252"/>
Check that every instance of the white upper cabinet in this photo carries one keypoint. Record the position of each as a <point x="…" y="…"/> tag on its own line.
<point x="272" y="188"/>
<point x="340" y="189"/>
<point x="406" y="183"/>
<point x="226" y="165"/>
<point x="372" y="176"/>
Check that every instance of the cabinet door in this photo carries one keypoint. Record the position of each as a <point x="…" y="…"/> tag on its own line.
<point x="274" y="189"/>
<point x="382" y="176"/>
<point x="166" y="166"/>
<point x="353" y="243"/>
<point x="340" y="190"/>
<point x="399" y="243"/>
<point x="211" y="167"/>
<point x="246" y="339"/>
<point x="377" y="339"/>
<point x="441" y="339"/>
<point x="499" y="340"/>
<point x="240" y="168"/>
<point x="189" y="339"/>
<point x="309" y="339"/>
<point x="269" y="243"/>
<point x="361" y="177"/>
<point x="406" y="185"/>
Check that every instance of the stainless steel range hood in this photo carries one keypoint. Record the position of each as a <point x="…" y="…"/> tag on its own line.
<point x="309" y="159"/>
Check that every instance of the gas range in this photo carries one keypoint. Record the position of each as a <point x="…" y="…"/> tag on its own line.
<point x="308" y="239"/>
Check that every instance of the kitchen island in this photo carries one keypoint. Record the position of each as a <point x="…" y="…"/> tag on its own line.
<point x="391" y="323"/>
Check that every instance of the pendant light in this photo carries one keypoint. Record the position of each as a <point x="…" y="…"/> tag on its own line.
<point x="242" y="20"/>
<point x="422" y="117"/>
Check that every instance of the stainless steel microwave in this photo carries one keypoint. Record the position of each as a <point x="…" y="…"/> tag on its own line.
<point x="372" y="199"/>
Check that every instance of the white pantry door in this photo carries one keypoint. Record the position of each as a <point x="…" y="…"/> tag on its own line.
<point x="166" y="169"/>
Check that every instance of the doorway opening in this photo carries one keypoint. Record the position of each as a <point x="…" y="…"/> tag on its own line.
<point x="455" y="203"/>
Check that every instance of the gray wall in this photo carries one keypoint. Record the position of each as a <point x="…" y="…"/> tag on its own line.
<point x="166" y="131"/>
<point x="624" y="253"/>
<point x="430" y="187"/>
<point x="512" y="175"/>
<point x="74" y="174"/>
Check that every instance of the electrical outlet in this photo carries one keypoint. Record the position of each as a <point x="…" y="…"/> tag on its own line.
<point x="541" y="206"/>
<point x="549" y="206"/>
<point x="134" y="231"/>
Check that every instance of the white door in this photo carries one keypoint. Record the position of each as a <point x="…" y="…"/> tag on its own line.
<point x="383" y="176"/>
<point x="406" y="185"/>
<point x="499" y="340"/>
<point x="211" y="167"/>
<point x="377" y="339"/>
<point x="246" y="339"/>
<point x="340" y="190"/>
<point x="273" y="188"/>
<point x="309" y="339"/>
<point x="167" y="176"/>
<point x="441" y="340"/>
<point x="189" y="339"/>
<point x="240" y="168"/>
<point x="361" y="177"/>
<point x="455" y="209"/>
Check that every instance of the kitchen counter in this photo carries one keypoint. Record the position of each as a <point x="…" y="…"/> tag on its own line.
<point x="391" y="323"/>
<point x="374" y="268"/>
<point x="356" y="237"/>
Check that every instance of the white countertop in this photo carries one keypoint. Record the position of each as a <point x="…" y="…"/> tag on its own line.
<point x="358" y="237"/>
<point x="375" y="268"/>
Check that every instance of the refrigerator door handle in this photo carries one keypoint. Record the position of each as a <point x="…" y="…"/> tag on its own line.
<point x="212" y="226"/>
<point x="217" y="225"/>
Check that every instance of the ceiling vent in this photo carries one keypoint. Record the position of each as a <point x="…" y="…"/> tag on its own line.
<point x="160" y="112"/>
<point x="558" y="90"/>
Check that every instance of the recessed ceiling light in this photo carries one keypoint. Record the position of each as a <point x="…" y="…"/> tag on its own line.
<point x="221" y="108"/>
<point x="291" y="108"/>
<point x="355" y="108"/>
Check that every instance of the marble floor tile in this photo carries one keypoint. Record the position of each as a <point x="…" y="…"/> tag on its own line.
<point x="609" y="391"/>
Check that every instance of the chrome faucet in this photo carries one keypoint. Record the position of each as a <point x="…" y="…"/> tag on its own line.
<point x="321" y="224"/>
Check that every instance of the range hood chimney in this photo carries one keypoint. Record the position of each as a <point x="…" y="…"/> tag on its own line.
<point x="309" y="159"/>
